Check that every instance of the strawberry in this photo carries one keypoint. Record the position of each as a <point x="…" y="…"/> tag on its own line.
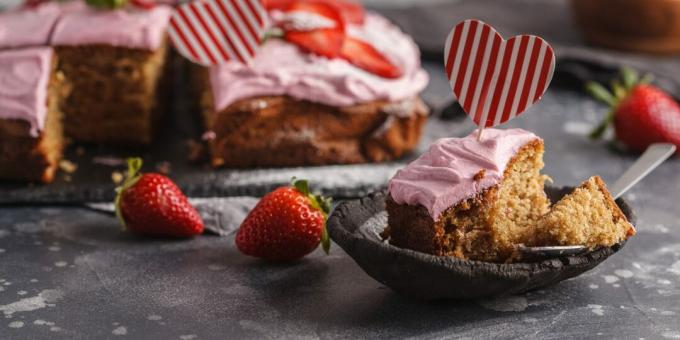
<point x="34" y="3"/>
<point x="351" y="11"/>
<point x="642" y="114"/>
<point x="286" y="224"/>
<point x="366" y="57"/>
<point x="326" y="42"/>
<point x="151" y="204"/>
<point x="144" y="4"/>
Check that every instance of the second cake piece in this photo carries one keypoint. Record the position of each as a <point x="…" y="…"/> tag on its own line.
<point x="289" y="107"/>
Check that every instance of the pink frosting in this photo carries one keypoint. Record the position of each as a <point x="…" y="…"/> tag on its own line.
<point x="23" y="85"/>
<point x="28" y="27"/>
<point x="129" y="27"/>
<point x="281" y="68"/>
<point x="444" y="175"/>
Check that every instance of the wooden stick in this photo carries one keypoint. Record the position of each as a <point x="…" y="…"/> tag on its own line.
<point x="479" y="134"/>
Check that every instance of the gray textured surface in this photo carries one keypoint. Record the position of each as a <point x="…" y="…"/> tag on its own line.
<point x="100" y="282"/>
<point x="71" y="273"/>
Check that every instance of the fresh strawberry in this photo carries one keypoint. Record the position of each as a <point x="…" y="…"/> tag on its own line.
<point x="642" y="114"/>
<point x="351" y="11"/>
<point x="151" y="204"/>
<point x="144" y="4"/>
<point x="34" y="3"/>
<point x="325" y="41"/>
<point x="366" y="57"/>
<point x="287" y="224"/>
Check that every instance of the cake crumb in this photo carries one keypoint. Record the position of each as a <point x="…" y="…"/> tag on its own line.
<point x="117" y="177"/>
<point x="108" y="160"/>
<point x="479" y="175"/>
<point x="196" y="151"/>
<point x="67" y="166"/>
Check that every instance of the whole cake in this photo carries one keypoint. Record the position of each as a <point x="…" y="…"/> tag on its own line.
<point x="479" y="200"/>
<point x="31" y="140"/>
<point x="292" y="107"/>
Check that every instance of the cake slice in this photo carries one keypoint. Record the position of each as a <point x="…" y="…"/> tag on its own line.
<point x="31" y="92"/>
<point x="587" y="216"/>
<point x="470" y="199"/>
<point x="116" y="62"/>
<point x="289" y="107"/>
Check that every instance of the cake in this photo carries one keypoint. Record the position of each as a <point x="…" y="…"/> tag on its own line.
<point x="470" y="199"/>
<point x="289" y="107"/>
<point x="587" y="216"/>
<point x="23" y="28"/>
<point x="31" y="140"/>
<point x="480" y="200"/>
<point x="116" y="63"/>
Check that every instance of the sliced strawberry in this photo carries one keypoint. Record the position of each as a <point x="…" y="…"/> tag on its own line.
<point x="34" y="3"/>
<point x="280" y="5"/>
<point x="145" y="4"/>
<point x="321" y="8"/>
<point x="351" y="11"/>
<point x="366" y="57"/>
<point x="326" y="41"/>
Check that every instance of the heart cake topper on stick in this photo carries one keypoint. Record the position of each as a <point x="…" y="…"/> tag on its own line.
<point x="496" y="80"/>
<point x="210" y="32"/>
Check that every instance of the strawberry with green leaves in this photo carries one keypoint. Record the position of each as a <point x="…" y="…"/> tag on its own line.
<point x="151" y="204"/>
<point x="642" y="114"/>
<point x="286" y="224"/>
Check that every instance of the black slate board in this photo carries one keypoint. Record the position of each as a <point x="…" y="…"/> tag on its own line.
<point x="356" y="227"/>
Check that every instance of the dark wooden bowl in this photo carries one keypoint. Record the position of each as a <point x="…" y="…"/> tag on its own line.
<point x="651" y="26"/>
<point x="355" y="226"/>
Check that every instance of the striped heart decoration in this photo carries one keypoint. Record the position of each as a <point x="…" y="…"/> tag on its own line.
<point x="211" y="32"/>
<point x="493" y="79"/>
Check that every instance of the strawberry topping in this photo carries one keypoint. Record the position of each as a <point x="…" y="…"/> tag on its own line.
<point x="326" y="42"/>
<point x="366" y="57"/>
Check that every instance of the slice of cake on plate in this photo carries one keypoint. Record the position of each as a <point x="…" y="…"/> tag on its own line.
<point x="587" y="216"/>
<point x="116" y="62"/>
<point x="470" y="199"/>
<point x="290" y="107"/>
<point x="31" y="140"/>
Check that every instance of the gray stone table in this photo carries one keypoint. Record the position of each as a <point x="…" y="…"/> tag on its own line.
<point x="71" y="273"/>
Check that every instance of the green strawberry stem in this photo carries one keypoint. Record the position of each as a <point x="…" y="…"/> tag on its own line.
<point x="131" y="178"/>
<point x="320" y="203"/>
<point x="620" y="88"/>
<point x="107" y="4"/>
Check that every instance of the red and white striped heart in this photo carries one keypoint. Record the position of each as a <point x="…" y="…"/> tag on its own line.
<point x="211" y="32"/>
<point x="493" y="79"/>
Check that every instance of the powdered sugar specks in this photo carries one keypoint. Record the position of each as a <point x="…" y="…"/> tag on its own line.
<point x="32" y="303"/>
